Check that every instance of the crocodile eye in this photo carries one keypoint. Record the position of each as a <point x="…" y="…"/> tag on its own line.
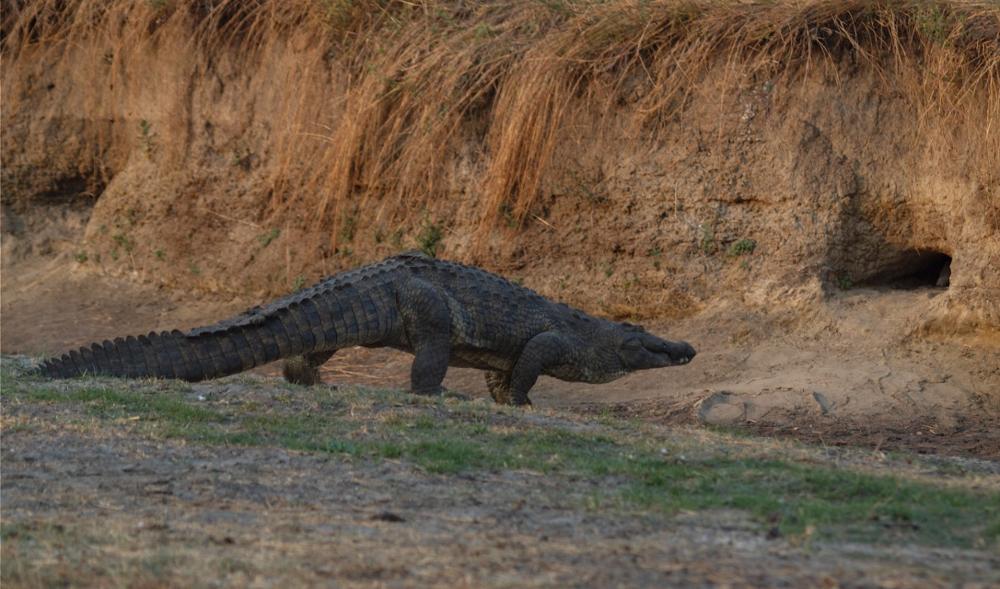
<point x="632" y="343"/>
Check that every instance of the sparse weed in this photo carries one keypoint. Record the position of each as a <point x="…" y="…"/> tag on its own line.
<point x="80" y="257"/>
<point x="655" y="252"/>
<point x="397" y="239"/>
<point x="933" y="23"/>
<point x="160" y="255"/>
<point x="266" y="238"/>
<point x="483" y="31"/>
<point x="349" y="226"/>
<point x="243" y="157"/>
<point x="299" y="283"/>
<point x="507" y="212"/>
<point x="707" y="242"/>
<point x="429" y="238"/>
<point x="742" y="247"/>
<point x="124" y="241"/>
<point x="146" y="137"/>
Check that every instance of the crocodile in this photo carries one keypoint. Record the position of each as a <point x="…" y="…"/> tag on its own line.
<point x="444" y="313"/>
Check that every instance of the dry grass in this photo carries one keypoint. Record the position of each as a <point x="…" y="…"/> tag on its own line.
<point x="414" y="81"/>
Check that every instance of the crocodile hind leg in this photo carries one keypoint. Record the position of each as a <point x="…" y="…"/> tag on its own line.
<point x="427" y="323"/>
<point x="499" y="385"/>
<point x="543" y="351"/>
<point x="304" y="369"/>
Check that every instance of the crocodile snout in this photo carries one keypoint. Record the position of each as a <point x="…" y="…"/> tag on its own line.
<point x="683" y="353"/>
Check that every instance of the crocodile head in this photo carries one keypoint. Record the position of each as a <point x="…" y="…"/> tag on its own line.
<point x="639" y="350"/>
<point x="616" y="349"/>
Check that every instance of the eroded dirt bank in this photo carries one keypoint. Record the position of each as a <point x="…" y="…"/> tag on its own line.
<point x="589" y="151"/>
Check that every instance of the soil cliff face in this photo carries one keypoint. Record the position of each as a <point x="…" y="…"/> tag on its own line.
<point x="762" y="187"/>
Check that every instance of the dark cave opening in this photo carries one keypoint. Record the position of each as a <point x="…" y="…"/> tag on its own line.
<point x="914" y="269"/>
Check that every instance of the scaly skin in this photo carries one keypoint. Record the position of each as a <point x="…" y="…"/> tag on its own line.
<point x="444" y="313"/>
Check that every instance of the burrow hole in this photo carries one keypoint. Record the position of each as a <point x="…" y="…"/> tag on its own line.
<point x="913" y="269"/>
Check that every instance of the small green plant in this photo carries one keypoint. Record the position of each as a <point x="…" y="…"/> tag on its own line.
<point x="160" y="255"/>
<point x="934" y="23"/>
<point x="507" y="212"/>
<point x="242" y="157"/>
<point x="299" y="283"/>
<point x="123" y="241"/>
<point x="348" y="227"/>
<point x="80" y="257"/>
<point x="146" y="137"/>
<point x="707" y="242"/>
<point x="583" y="186"/>
<point x="194" y="269"/>
<point x="656" y="253"/>
<point x="844" y="282"/>
<point x="742" y="247"/>
<point x="397" y="239"/>
<point x="483" y="31"/>
<point x="429" y="239"/>
<point x="266" y="238"/>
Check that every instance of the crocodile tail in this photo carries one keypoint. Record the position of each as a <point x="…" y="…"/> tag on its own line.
<point x="197" y="355"/>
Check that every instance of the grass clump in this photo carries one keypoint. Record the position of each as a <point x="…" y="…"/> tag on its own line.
<point x="742" y="247"/>
<point x="429" y="238"/>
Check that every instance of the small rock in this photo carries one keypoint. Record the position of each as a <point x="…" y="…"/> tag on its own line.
<point x="388" y="516"/>
<point x="825" y="405"/>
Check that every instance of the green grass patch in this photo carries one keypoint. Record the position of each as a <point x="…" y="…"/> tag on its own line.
<point x="446" y="437"/>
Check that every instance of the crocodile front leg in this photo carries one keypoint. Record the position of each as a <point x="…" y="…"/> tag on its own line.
<point x="304" y="369"/>
<point x="427" y="323"/>
<point x="541" y="352"/>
